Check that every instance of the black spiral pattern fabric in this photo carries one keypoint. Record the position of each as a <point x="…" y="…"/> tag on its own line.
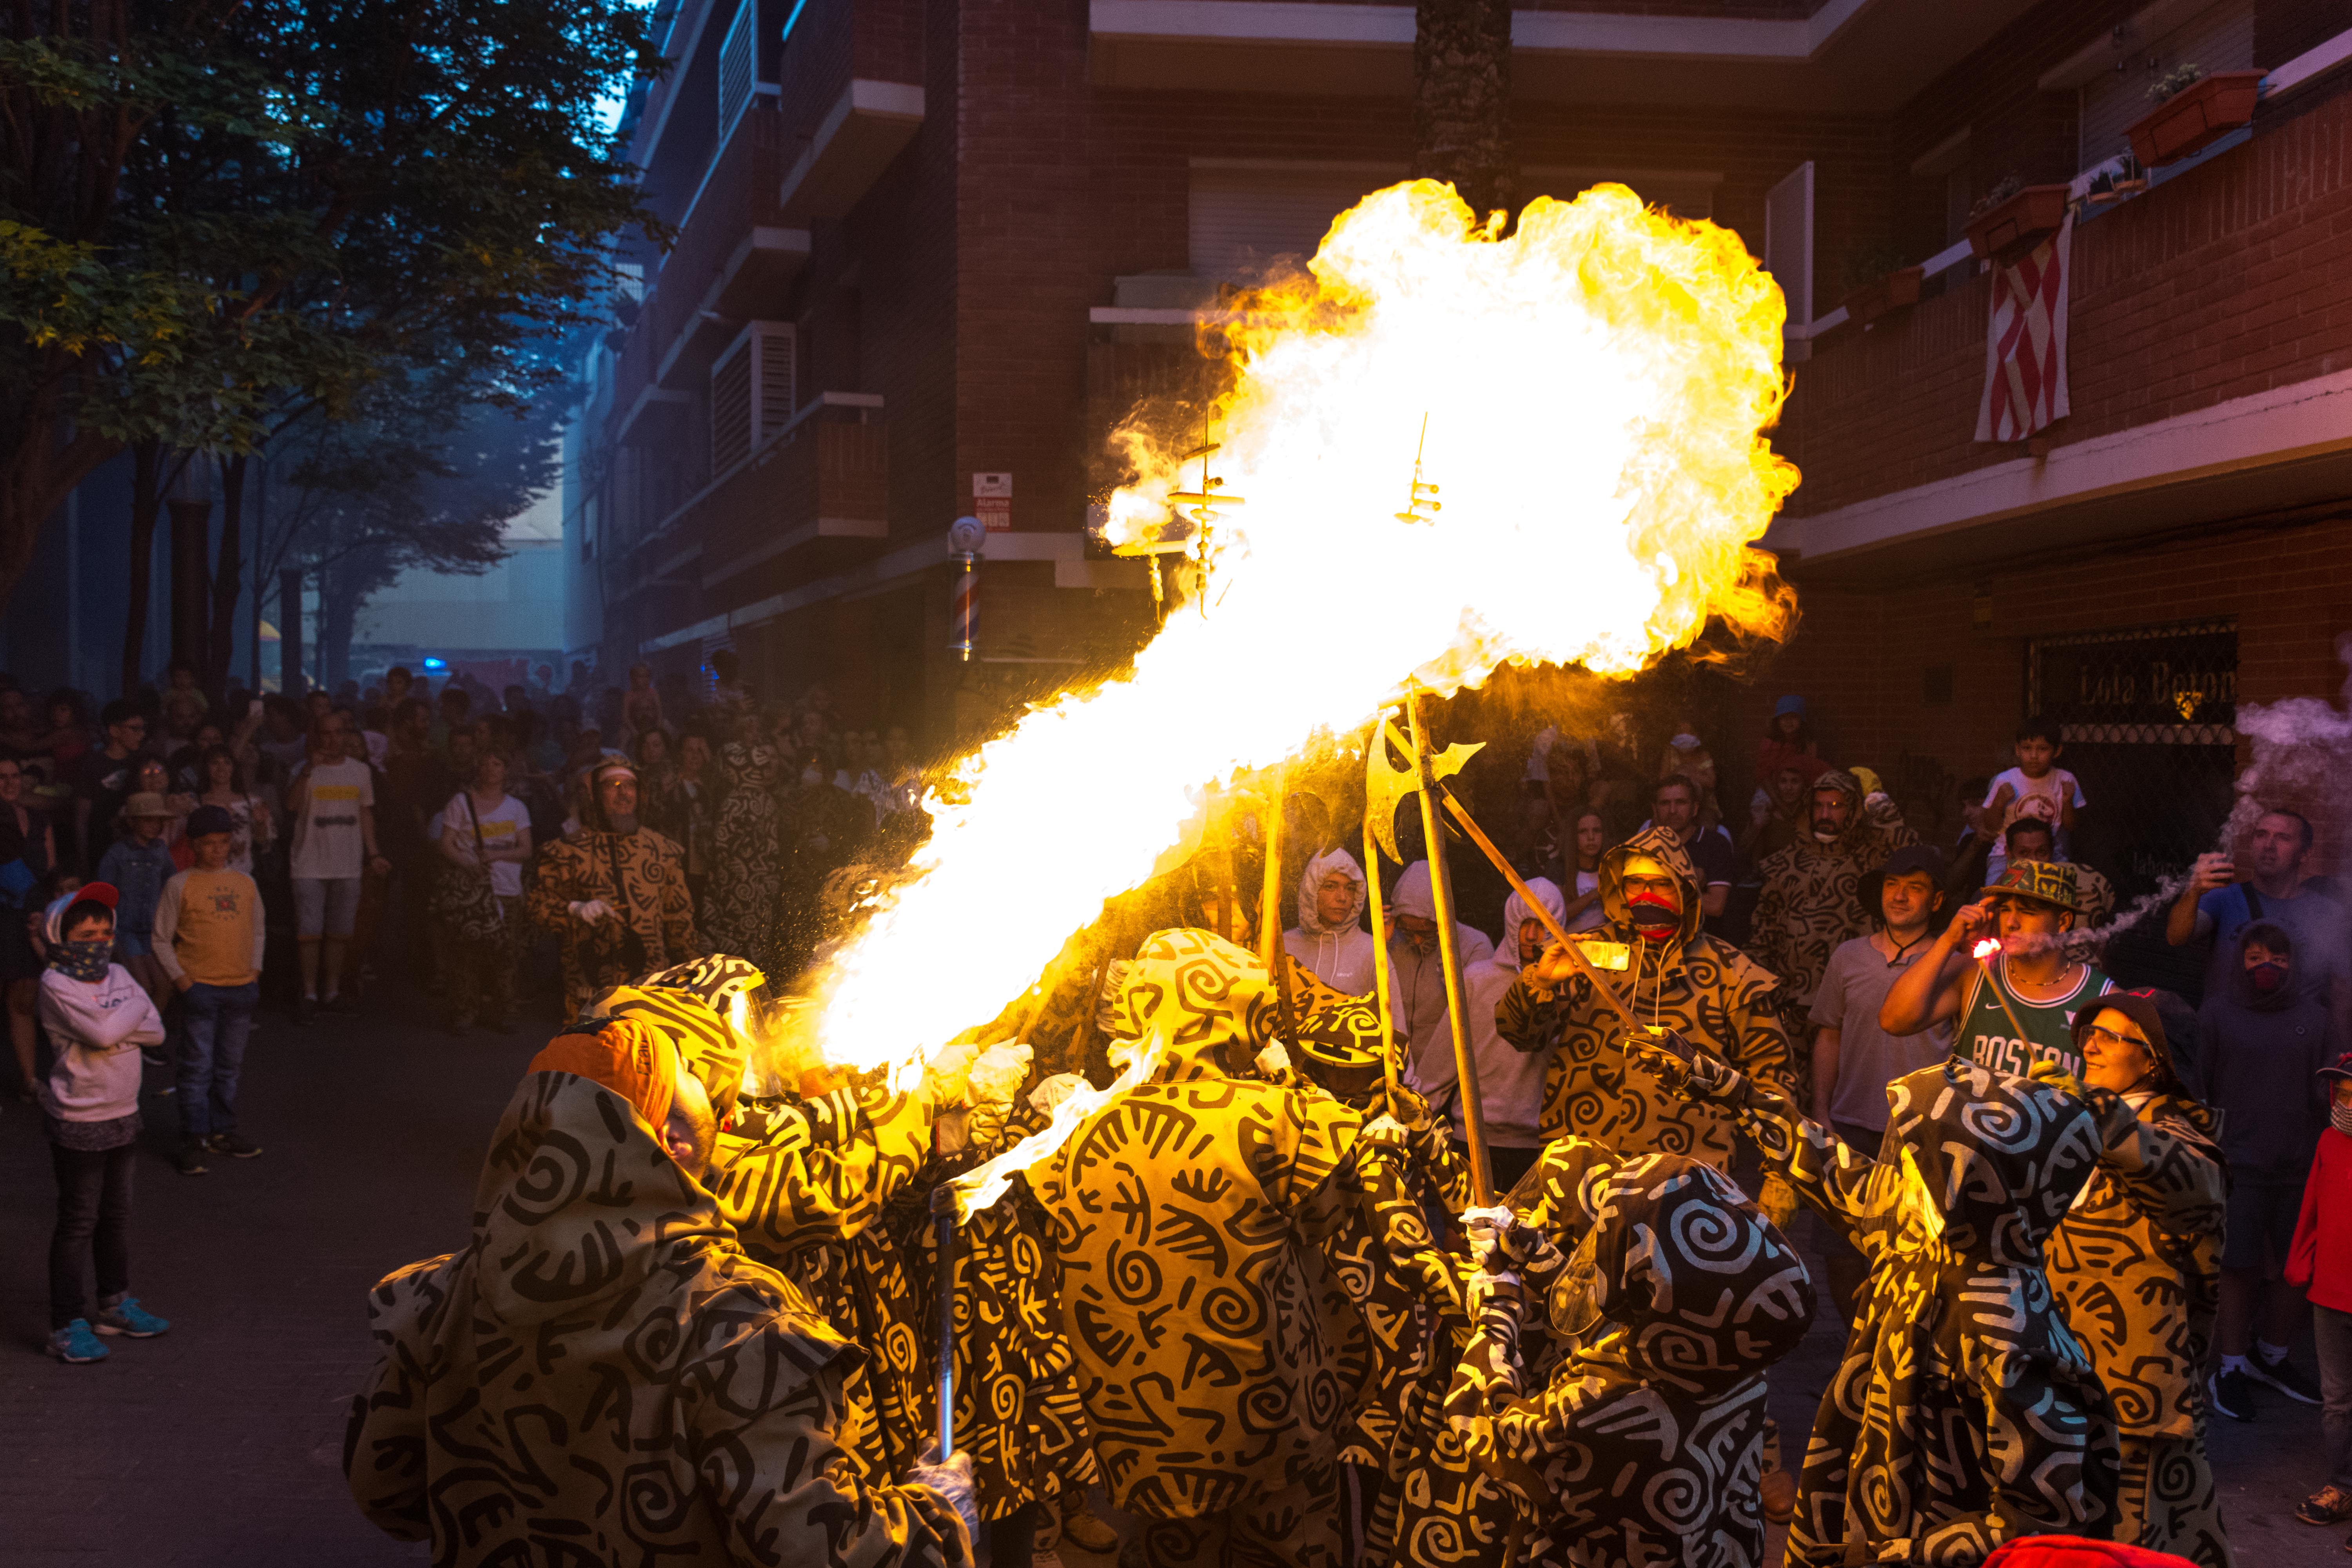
<point x="604" y="1376"/>
<point x="642" y="876"/>
<point x="1644" y="1443"/>
<point x="1811" y="899"/>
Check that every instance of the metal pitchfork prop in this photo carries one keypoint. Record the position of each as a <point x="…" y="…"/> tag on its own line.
<point x="943" y="1219"/>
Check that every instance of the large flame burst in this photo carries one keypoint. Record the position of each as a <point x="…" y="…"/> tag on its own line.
<point x="1594" y="387"/>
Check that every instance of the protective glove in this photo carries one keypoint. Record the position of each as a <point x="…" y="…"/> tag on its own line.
<point x="951" y="1480"/>
<point x="998" y="1073"/>
<point x="1679" y="1066"/>
<point x="1274" y="1061"/>
<point x="590" y="910"/>
<point x="2050" y="1075"/>
<point x="1486" y="1227"/>
<point x="1048" y="1096"/>
<point x="947" y="1075"/>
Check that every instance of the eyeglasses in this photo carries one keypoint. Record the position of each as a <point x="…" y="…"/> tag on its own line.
<point x="2106" y="1036"/>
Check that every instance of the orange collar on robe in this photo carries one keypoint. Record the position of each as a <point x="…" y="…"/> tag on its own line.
<point x="633" y="1059"/>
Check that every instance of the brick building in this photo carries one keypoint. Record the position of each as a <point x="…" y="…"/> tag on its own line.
<point x="923" y="241"/>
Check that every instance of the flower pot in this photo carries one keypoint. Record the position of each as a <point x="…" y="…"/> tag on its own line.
<point x="1892" y="292"/>
<point x="2013" y="228"/>
<point x="2196" y="117"/>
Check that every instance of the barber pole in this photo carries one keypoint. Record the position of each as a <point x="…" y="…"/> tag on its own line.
<point x="965" y="537"/>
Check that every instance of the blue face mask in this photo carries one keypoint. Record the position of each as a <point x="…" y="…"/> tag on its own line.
<point x="86" y="960"/>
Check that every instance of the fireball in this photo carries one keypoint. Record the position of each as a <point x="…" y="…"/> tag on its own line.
<point x="1594" y="389"/>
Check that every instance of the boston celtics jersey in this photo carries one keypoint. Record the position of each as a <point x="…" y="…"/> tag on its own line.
<point x="1986" y="1037"/>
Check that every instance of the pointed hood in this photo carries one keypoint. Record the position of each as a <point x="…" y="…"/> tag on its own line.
<point x="1660" y="844"/>
<point x="1211" y="1003"/>
<point x="1309" y="906"/>
<point x="2001" y="1158"/>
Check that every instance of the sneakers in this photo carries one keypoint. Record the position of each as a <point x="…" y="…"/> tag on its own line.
<point x="2231" y="1393"/>
<point x="2282" y="1375"/>
<point x="191" y="1161"/>
<point x="75" y="1343"/>
<point x="235" y="1147"/>
<point x="2331" y="1504"/>
<point x="1082" y="1526"/>
<point x="127" y="1317"/>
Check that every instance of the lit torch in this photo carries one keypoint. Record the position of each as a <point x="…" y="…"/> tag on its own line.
<point x="1985" y="952"/>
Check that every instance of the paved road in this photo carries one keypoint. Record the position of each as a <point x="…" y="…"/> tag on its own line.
<point x="220" y="1443"/>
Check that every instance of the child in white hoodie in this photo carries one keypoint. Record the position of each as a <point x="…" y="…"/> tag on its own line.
<point x="98" y="1017"/>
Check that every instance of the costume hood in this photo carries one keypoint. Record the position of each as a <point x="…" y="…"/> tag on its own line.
<point x="702" y="1008"/>
<point x="1309" y="913"/>
<point x="1515" y="911"/>
<point x="2002" y="1157"/>
<point x="1660" y="844"/>
<point x="1846" y="785"/>
<point x="1208" y="1005"/>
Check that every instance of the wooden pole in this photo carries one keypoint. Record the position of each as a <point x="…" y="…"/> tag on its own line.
<point x="1269" y="912"/>
<point x="1380" y="948"/>
<point x="1449" y="958"/>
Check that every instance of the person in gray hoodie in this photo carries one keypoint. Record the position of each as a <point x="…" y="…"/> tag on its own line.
<point x="1329" y="940"/>
<point x="98" y="1017"/>
<point x="1417" y="981"/>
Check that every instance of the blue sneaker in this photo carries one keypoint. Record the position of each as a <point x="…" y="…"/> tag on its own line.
<point x="75" y="1343"/>
<point x="128" y="1317"/>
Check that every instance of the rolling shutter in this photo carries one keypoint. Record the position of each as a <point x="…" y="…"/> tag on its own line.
<point x="752" y="391"/>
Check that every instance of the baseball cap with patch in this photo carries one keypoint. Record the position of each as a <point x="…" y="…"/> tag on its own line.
<point x="2040" y="881"/>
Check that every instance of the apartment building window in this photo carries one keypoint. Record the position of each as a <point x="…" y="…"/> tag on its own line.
<point x="2157" y="42"/>
<point x="738" y="66"/>
<point x="752" y="391"/>
<point x="1789" y="241"/>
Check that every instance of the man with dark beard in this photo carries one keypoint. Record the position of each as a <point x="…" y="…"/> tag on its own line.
<point x="1811" y="901"/>
<point x="603" y="1376"/>
<point x="614" y="894"/>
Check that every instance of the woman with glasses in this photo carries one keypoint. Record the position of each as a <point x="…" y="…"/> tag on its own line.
<point x="2137" y="1267"/>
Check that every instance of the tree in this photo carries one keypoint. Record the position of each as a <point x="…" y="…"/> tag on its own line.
<point x="1462" y="101"/>
<point x="220" y="218"/>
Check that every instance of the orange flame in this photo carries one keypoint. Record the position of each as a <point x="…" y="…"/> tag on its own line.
<point x="1986" y="948"/>
<point x="1594" y="389"/>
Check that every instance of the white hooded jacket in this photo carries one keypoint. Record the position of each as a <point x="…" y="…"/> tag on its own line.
<point x="1510" y="1081"/>
<point x="1417" y="984"/>
<point x="1340" y="955"/>
<point x="97" y="1027"/>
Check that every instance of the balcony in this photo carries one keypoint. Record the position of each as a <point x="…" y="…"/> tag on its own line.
<point x="2210" y="368"/>
<point x="852" y="71"/>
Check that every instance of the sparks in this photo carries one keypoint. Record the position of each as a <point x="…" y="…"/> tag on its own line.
<point x="1986" y="949"/>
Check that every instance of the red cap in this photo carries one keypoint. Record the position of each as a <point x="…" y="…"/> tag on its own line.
<point x="94" y="893"/>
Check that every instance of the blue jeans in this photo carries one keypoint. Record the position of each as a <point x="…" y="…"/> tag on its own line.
<point x="211" y="1053"/>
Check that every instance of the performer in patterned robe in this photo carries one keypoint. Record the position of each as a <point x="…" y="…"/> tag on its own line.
<point x="2136" y="1264"/>
<point x="1619" y="1391"/>
<point x="1676" y="976"/>
<point x="1965" y="1414"/>
<point x="603" y="1376"/>
<point x="615" y="895"/>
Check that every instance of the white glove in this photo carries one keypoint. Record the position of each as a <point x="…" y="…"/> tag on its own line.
<point x="591" y="910"/>
<point x="951" y="1131"/>
<point x="1485" y="1227"/>
<point x="1384" y="1129"/>
<point x="1047" y="1097"/>
<point x="948" y="1075"/>
<point x="1481" y="1290"/>
<point x="997" y="1076"/>
<point x="952" y="1482"/>
<point x="1877" y="799"/>
<point x="1274" y="1060"/>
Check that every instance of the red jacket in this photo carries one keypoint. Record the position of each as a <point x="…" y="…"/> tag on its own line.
<point x="2076" y="1551"/>
<point x="2320" y="1257"/>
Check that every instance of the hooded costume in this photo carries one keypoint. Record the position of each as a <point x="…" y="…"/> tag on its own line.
<point x="1964" y="1413"/>
<point x="1644" y="1444"/>
<point x="1417" y="987"/>
<point x="639" y="876"/>
<point x="1510" y="1081"/>
<point x="1677" y="976"/>
<point x="1811" y="899"/>
<point x="2136" y="1265"/>
<point x="604" y="1376"/>
<point x="1340" y="955"/>
<point x="1179" y="1212"/>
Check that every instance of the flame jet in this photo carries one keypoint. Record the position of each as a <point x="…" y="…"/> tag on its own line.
<point x="1595" y="387"/>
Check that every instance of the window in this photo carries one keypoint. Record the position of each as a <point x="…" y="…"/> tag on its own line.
<point x="752" y="393"/>
<point x="738" y="73"/>
<point x="1789" y="242"/>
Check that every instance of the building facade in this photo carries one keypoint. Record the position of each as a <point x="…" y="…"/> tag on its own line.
<point x="928" y="252"/>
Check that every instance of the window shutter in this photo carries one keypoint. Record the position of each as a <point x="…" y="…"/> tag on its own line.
<point x="752" y="391"/>
<point x="738" y="66"/>
<point x="1789" y="242"/>
<point x="1245" y="215"/>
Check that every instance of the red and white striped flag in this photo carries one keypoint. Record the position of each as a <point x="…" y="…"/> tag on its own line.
<point x="2026" y="342"/>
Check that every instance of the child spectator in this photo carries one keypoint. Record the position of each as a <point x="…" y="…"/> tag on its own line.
<point x="2037" y="786"/>
<point x="98" y="1017"/>
<point x="2319" y="1262"/>
<point x="209" y="937"/>
<point x="138" y="864"/>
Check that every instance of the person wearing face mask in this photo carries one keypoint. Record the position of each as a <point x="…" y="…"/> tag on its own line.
<point x="2137" y="1267"/>
<point x="1329" y="942"/>
<point x="614" y="893"/>
<point x="1675" y="976"/>
<point x="1662" y="1294"/>
<point x="684" y="1401"/>
<point x="2261" y="1037"/>
<point x="1811" y="901"/>
<point x="1417" y="983"/>
<point x="1965" y="1412"/>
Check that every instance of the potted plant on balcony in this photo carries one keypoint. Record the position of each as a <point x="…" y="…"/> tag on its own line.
<point x="1877" y="283"/>
<point x="2014" y="217"/>
<point x="2193" y="111"/>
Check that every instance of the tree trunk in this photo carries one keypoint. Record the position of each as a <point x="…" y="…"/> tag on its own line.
<point x="339" y="613"/>
<point x="228" y="577"/>
<point x="146" y="498"/>
<point x="192" y="581"/>
<point x="290" y="631"/>
<point x="1462" y="101"/>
